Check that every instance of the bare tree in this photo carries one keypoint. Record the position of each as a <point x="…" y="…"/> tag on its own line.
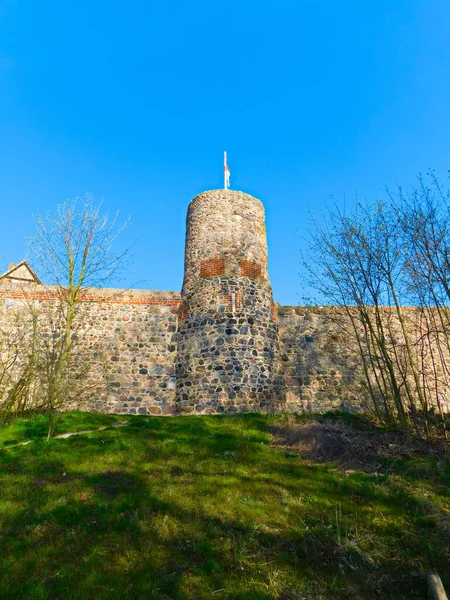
<point x="346" y="251"/>
<point x="424" y="213"/>
<point x="375" y="260"/>
<point x="19" y="360"/>
<point x="74" y="249"/>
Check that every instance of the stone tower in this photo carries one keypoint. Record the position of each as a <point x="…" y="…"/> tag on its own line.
<point x="227" y="323"/>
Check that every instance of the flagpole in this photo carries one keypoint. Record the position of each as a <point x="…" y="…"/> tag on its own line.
<point x="224" y="170"/>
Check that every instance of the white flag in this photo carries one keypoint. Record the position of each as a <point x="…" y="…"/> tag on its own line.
<point x="226" y="171"/>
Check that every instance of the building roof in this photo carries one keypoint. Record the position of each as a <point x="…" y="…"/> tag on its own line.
<point x="20" y="272"/>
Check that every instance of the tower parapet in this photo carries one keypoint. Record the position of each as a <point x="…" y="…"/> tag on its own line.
<point x="227" y="357"/>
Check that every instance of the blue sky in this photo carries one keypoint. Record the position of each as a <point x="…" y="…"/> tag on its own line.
<point x="135" y="102"/>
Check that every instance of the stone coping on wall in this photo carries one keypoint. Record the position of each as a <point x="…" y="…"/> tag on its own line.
<point x="300" y="310"/>
<point x="9" y="290"/>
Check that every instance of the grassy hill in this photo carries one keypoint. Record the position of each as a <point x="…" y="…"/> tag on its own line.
<point x="220" y="507"/>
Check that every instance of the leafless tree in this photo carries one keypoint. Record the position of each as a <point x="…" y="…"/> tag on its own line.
<point x="373" y="261"/>
<point x="18" y="362"/>
<point x="74" y="251"/>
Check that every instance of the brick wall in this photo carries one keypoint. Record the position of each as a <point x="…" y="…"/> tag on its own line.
<point x="183" y="310"/>
<point x="104" y="296"/>
<point x="213" y="266"/>
<point x="250" y="268"/>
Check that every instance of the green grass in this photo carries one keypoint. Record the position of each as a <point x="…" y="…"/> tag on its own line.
<point x="37" y="427"/>
<point x="205" y="507"/>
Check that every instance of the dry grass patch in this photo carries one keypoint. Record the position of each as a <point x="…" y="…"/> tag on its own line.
<point x="350" y="442"/>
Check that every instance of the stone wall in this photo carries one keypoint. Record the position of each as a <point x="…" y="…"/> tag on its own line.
<point x="136" y="337"/>
<point x="220" y="346"/>
<point x="228" y="347"/>
<point x="322" y="364"/>
<point x="321" y="367"/>
<point x="131" y="332"/>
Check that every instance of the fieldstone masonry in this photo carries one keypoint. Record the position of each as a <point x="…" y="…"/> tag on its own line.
<point x="222" y="345"/>
<point x="130" y="337"/>
<point x="228" y="347"/>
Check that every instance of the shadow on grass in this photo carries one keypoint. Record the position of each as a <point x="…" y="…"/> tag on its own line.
<point x="193" y="508"/>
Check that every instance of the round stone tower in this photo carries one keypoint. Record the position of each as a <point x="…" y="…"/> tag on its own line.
<point x="227" y="323"/>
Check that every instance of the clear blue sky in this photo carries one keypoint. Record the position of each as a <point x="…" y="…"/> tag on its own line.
<point x="135" y="102"/>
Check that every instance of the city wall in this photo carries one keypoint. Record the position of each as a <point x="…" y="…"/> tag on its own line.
<point x="223" y="344"/>
<point x="128" y="335"/>
<point x="134" y="335"/>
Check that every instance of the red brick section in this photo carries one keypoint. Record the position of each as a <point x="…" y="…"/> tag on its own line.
<point x="250" y="268"/>
<point x="274" y="311"/>
<point x="183" y="311"/>
<point x="213" y="266"/>
<point x="228" y="302"/>
<point x="50" y="295"/>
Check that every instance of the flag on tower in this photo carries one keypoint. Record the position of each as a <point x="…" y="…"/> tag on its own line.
<point x="226" y="171"/>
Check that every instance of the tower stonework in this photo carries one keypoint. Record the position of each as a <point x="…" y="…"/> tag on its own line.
<point x="227" y="356"/>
